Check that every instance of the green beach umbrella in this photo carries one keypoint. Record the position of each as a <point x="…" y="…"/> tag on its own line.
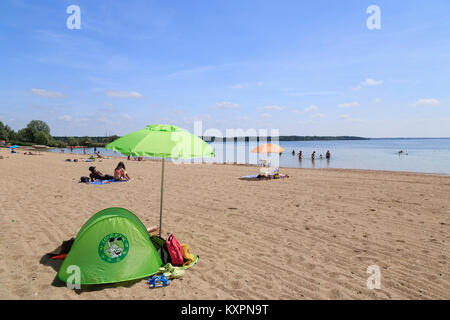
<point x="162" y="141"/>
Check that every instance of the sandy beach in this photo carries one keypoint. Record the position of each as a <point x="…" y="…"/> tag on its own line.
<point x="311" y="236"/>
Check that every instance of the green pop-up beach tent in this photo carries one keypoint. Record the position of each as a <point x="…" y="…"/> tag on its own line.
<point x="112" y="246"/>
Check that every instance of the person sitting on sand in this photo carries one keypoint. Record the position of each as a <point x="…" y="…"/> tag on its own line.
<point x="120" y="172"/>
<point x="328" y="154"/>
<point x="99" y="155"/>
<point x="95" y="174"/>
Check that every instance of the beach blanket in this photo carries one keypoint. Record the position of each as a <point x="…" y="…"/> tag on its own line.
<point x="105" y="181"/>
<point x="255" y="177"/>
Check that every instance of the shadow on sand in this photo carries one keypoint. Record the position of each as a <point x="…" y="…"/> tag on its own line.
<point x="46" y="260"/>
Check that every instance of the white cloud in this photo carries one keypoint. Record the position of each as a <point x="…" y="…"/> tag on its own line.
<point x="369" y="83"/>
<point x="348" y="118"/>
<point x="246" y="85"/>
<point x="265" y="115"/>
<point x="126" y="116"/>
<point x="349" y="105"/>
<point x="46" y="93"/>
<point x="123" y="94"/>
<point x="312" y="93"/>
<point x="242" y="118"/>
<point x="317" y="115"/>
<point x="65" y="118"/>
<point x="428" y="102"/>
<point x="225" y="105"/>
<point x="311" y="108"/>
<point x="275" y="108"/>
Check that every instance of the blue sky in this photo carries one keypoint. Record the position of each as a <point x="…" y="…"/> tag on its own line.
<point x="303" y="67"/>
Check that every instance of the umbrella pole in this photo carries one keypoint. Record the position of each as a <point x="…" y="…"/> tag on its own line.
<point x="161" y="204"/>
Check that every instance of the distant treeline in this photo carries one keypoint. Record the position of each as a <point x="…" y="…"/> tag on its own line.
<point x="284" y="138"/>
<point x="38" y="132"/>
<point x="85" y="141"/>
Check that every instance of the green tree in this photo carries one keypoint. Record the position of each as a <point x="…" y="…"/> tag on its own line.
<point x="84" y="141"/>
<point x="38" y="125"/>
<point x="72" y="141"/>
<point x="42" y="137"/>
<point x="25" y="135"/>
<point x="3" y="132"/>
<point x="110" y="139"/>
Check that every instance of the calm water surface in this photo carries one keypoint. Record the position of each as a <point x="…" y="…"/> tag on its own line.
<point x="419" y="155"/>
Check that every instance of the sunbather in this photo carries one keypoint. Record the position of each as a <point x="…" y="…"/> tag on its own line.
<point x="97" y="175"/>
<point x="120" y="172"/>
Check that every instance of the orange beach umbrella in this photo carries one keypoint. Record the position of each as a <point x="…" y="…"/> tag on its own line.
<point x="268" y="148"/>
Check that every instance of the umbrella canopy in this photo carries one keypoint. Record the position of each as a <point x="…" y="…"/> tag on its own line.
<point x="163" y="141"/>
<point x="14" y="146"/>
<point x="268" y="148"/>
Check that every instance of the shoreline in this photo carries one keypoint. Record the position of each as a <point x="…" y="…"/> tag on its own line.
<point x="255" y="165"/>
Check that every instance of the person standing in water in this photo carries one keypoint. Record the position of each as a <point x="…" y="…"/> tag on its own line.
<point x="328" y="154"/>
<point x="313" y="156"/>
<point x="300" y="155"/>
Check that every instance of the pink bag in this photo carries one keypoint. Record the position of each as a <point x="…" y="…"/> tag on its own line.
<point x="174" y="248"/>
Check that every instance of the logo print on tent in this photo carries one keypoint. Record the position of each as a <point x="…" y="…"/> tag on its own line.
<point x="113" y="247"/>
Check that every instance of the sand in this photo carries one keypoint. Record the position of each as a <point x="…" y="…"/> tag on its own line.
<point x="311" y="236"/>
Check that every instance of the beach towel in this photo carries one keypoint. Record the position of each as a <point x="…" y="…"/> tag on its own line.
<point x="106" y="181"/>
<point x="187" y="255"/>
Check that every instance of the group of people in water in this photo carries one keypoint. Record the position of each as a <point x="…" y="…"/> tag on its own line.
<point x="119" y="174"/>
<point x="313" y="155"/>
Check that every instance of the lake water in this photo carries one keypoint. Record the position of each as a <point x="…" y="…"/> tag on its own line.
<point x="419" y="155"/>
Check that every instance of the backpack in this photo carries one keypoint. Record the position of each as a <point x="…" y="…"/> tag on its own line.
<point x="160" y="245"/>
<point x="174" y="248"/>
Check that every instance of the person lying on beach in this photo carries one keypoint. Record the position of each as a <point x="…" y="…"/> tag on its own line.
<point x="97" y="175"/>
<point x="120" y="172"/>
